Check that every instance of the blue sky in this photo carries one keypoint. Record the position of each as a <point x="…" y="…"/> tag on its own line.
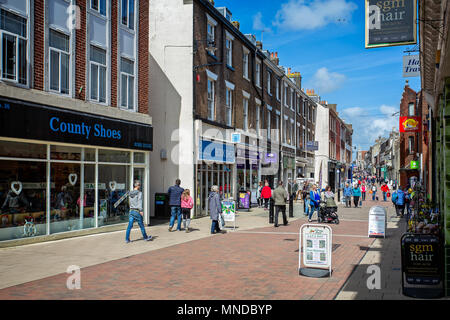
<point x="324" y="41"/>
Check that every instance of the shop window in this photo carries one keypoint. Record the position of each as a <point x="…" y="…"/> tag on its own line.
<point x="139" y="157"/>
<point x="22" y="199"/>
<point x="13" y="34"/>
<point x="113" y="156"/>
<point x="23" y="150"/>
<point x="113" y="184"/>
<point x="65" y="153"/>
<point x="89" y="154"/>
<point x="64" y="195"/>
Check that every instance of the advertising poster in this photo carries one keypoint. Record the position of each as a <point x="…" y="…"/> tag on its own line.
<point x="377" y="222"/>
<point x="229" y="210"/>
<point x="390" y="23"/>
<point x="244" y="200"/>
<point x="410" y="124"/>
<point x="316" y="247"/>
<point x="103" y="212"/>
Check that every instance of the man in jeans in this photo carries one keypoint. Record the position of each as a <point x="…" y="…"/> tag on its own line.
<point x="175" y="204"/>
<point x="348" y="192"/>
<point x="136" y="213"/>
<point x="279" y="196"/>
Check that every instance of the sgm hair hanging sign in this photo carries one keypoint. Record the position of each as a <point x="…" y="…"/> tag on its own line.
<point x="25" y="120"/>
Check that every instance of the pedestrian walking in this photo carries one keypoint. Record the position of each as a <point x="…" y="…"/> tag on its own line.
<point x="260" y="199"/>
<point x="186" y="205"/>
<point x="175" y="193"/>
<point x="374" y="191"/>
<point x="136" y="212"/>
<point x="295" y="191"/>
<point x="356" y="194"/>
<point x="307" y="204"/>
<point x="408" y="196"/>
<point x="215" y="209"/>
<point x="348" y="196"/>
<point x="363" y="192"/>
<point x="279" y="196"/>
<point x="266" y="194"/>
<point x="385" y="190"/>
<point x="314" y="196"/>
<point x="398" y="198"/>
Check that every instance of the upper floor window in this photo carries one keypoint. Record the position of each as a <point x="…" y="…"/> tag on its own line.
<point x="245" y="103"/>
<point x="128" y="13"/>
<point x="269" y="82"/>
<point x="268" y="124"/>
<point x="229" y="107"/>
<point x="292" y="99"/>
<point x="99" y="6"/>
<point x="229" y="51"/>
<point x="127" y="83"/>
<point x="258" y="73"/>
<point x="211" y="98"/>
<point x="59" y="62"/>
<point x="98" y="74"/>
<point x="411" y="145"/>
<point x="411" y="110"/>
<point x="278" y="88"/>
<point x="245" y="64"/>
<point x="258" y="119"/>
<point x="211" y="33"/>
<point x="13" y="33"/>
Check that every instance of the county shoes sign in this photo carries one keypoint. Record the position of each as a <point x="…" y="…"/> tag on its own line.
<point x="25" y="120"/>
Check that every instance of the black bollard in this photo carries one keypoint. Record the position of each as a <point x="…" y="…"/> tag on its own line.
<point x="291" y="207"/>
<point x="271" y="211"/>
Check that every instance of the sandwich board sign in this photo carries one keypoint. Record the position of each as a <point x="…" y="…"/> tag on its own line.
<point x="377" y="222"/>
<point x="317" y="247"/>
<point x="229" y="211"/>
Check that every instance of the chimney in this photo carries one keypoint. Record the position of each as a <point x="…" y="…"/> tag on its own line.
<point x="236" y="24"/>
<point x="274" y="58"/>
<point x="259" y="45"/>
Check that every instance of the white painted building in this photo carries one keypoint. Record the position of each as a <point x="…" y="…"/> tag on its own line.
<point x="322" y="135"/>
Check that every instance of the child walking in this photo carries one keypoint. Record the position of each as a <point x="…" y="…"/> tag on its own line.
<point x="186" y="205"/>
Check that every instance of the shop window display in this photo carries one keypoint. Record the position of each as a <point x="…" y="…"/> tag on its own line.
<point x="22" y="199"/>
<point x="113" y="184"/>
<point x="23" y="150"/>
<point x="113" y="156"/>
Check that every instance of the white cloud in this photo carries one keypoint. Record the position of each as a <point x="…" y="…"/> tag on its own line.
<point x="299" y="15"/>
<point x="326" y="81"/>
<point x="258" y="24"/>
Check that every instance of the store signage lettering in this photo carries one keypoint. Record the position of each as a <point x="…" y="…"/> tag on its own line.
<point x="410" y="124"/>
<point x="83" y="129"/>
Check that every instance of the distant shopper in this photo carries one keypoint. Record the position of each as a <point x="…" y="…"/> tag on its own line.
<point x="266" y="194"/>
<point x="136" y="212"/>
<point x="279" y="196"/>
<point x="259" y="198"/>
<point x="356" y="194"/>
<point x="307" y="204"/>
<point x="175" y="204"/>
<point x="348" y="196"/>
<point x="374" y="191"/>
<point x="398" y="198"/>
<point x="385" y="190"/>
<point x="363" y="192"/>
<point x="314" y="195"/>
<point x="215" y="209"/>
<point x="186" y="205"/>
<point x="328" y="197"/>
<point x="295" y="191"/>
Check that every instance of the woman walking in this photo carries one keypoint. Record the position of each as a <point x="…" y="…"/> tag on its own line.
<point x="215" y="209"/>
<point x="266" y="194"/>
<point x="356" y="195"/>
<point x="315" y="201"/>
<point x="186" y="205"/>
<point x="260" y="200"/>
<point x="363" y="192"/>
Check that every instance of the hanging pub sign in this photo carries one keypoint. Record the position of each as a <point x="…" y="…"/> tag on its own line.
<point x="410" y="124"/>
<point x="26" y="120"/>
<point x="421" y="266"/>
<point x="390" y="23"/>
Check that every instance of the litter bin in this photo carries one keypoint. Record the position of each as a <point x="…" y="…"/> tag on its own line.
<point x="244" y="200"/>
<point x="162" y="205"/>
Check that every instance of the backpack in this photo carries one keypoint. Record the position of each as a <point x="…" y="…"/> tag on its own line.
<point x="394" y="197"/>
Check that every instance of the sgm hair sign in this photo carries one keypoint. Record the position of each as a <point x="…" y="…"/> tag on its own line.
<point x="20" y="119"/>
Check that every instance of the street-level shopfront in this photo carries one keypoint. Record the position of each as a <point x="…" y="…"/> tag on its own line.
<point x="288" y="167"/>
<point x="59" y="173"/>
<point x="248" y="170"/>
<point x="215" y="167"/>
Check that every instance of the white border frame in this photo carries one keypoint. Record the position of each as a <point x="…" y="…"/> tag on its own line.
<point x="330" y="246"/>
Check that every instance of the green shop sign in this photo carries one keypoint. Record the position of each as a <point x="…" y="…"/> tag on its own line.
<point x="414" y="164"/>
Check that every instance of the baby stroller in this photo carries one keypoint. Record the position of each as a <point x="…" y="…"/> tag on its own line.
<point x="328" y="212"/>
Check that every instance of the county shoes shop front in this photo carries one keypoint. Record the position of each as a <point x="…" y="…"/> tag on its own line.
<point x="62" y="171"/>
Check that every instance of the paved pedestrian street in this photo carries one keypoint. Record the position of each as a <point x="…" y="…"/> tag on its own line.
<point x="248" y="263"/>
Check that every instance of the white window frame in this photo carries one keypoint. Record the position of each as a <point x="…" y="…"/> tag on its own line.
<point x="229" y="49"/>
<point x="258" y="116"/>
<point x="229" y="106"/>
<point x="128" y="15"/>
<point x="269" y="82"/>
<point x="211" y="77"/>
<point x="278" y="89"/>
<point x="99" y="65"/>
<point x="27" y="49"/>
<point x="258" y="69"/>
<point x="292" y="132"/>
<point x="135" y="107"/>
<point x="59" y="51"/>
<point x="245" y="104"/>
<point x="411" y="108"/>
<point x="269" y="114"/>
<point x="286" y="95"/>
<point x="245" y="63"/>
<point x="291" y="100"/>
<point x="98" y="9"/>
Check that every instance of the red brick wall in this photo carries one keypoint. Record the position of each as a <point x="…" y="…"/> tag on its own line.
<point x="143" y="58"/>
<point x="39" y="22"/>
<point x="80" y="54"/>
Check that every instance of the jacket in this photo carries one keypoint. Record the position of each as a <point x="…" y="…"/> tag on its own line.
<point x="188" y="203"/>
<point x="363" y="189"/>
<point x="266" y="192"/>
<point x="280" y="195"/>
<point x="314" y="198"/>
<point x="214" y="205"/>
<point x="400" y="201"/>
<point x="136" y="200"/>
<point x="347" y="192"/>
<point x="356" y="192"/>
<point x="385" y="188"/>
<point x="175" y="195"/>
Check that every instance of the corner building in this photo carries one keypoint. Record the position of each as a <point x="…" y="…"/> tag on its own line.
<point x="75" y="130"/>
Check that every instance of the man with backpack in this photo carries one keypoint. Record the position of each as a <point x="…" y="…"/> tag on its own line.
<point x="398" y="198"/>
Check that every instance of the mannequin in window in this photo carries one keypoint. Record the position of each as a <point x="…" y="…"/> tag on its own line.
<point x="13" y="201"/>
<point x="63" y="201"/>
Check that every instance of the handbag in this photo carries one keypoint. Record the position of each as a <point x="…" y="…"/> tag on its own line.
<point x="388" y="194"/>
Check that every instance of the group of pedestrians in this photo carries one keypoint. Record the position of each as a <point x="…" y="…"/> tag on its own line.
<point x="356" y="192"/>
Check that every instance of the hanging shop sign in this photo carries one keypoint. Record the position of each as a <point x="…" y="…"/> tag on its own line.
<point x="288" y="163"/>
<point x="377" y="222"/>
<point x="390" y="23"/>
<point x="411" y="66"/>
<point x="216" y="151"/>
<point x="312" y="145"/>
<point x="317" y="247"/>
<point x="421" y="266"/>
<point x="20" y="119"/>
<point x="236" y="138"/>
<point x="414" y="164"/>
<point x="270" y="157"/>
<point x="410" y="124"/>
